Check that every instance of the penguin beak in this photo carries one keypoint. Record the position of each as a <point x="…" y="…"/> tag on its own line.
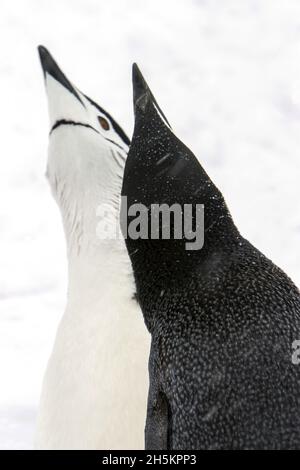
<point x="142" y="94"/>
<point x="50" y="67"/>
<point x="141" y="91"/>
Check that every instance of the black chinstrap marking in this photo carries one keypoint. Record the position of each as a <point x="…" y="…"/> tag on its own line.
<point x="50" y="66"/>
<point x="66" y="122"/>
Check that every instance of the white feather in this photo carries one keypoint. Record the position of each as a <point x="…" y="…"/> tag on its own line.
<point x="94" y="391"/>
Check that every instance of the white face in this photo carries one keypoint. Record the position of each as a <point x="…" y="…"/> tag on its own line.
<point x="81" y="135"/>
<point x="87" y="151"/>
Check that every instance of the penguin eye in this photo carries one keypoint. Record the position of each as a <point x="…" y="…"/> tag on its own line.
<point x="103" y="123"/>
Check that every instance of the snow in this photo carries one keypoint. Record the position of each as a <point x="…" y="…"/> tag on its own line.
<point x="227" y="76"/>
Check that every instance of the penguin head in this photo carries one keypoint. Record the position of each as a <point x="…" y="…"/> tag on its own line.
<point x="87" y="148"/>
<point x="160" y="169"/>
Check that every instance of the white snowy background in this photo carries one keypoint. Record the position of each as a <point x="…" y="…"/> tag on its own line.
<point x="227" y="75"/>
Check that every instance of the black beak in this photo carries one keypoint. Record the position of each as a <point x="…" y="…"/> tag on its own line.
<point x="50" y="67"/>
<point x="141" y="91"/>
<point x="142" y="94"/>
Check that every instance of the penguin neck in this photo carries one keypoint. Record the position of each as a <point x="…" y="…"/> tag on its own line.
<point x="172" y="270"/>
<point x="171" y="261"/>
<point x="95" y="259"/>
<point x="165" y="171"/>
<point x="95" y="272"/>
<point x="160" y="169"/>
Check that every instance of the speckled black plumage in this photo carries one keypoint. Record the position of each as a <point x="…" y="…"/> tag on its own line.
<point x="222" y="319"/>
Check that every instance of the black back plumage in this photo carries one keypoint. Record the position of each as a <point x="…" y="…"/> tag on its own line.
<point x="222" y="319"/>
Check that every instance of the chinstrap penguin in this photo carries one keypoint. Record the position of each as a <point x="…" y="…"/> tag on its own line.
<point x="94" y="392"/>
<point x="222" y="319"/>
